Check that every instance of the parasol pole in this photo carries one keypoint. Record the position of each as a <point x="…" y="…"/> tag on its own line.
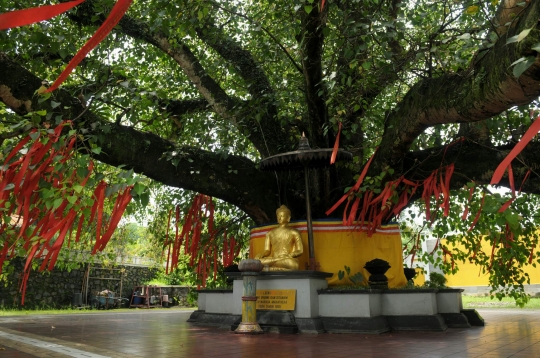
<point x="312" y="262"/>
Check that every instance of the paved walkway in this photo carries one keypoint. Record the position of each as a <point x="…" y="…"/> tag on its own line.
<point x="165" y="333"/>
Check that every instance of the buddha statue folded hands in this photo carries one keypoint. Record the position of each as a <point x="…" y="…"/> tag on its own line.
<point x="282" y="245"/>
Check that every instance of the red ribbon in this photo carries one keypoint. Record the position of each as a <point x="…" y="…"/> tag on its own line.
<point x="336" y="144"/>
<point x="527" y="137"/>
<point x="116" y="14"/>
<point x="355" y="187"/>
<point x="478" y="213"/>
<point x="36" y="14"/>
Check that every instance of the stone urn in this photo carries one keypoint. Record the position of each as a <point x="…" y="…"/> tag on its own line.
<point x="250" y="265"/>
<point x="377" y="269"/>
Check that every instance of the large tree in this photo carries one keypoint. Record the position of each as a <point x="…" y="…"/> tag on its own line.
<point x="193" y="93"/>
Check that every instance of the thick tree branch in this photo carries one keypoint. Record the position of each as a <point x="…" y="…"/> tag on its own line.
<point x="269" y="142"/>
<point x="476" y="162"/>
<point x="234" y="179"/>
<point x="264" y="118"/>
<point x="180" y="53"/>
<point x="242" y="61"/>
<point x="506" y="14"/>
<point x="182" y="107"/>
<point x="312" y="39"/>
<point x="485" y="90"/>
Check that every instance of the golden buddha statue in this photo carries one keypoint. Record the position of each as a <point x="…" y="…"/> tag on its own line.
<point x="281" y="245"/>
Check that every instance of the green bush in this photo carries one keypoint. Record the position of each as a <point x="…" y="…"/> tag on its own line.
<point x="436" y="280"/>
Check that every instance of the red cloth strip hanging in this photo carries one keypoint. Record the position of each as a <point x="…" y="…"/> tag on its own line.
<point x="354" y="208"/>
<point x="511" y="179"/>
<point x="18" y="147"/>
<point x="232" y="247"/>
<point x="429" y="182"/>
<point x="478" y="213"/>
<point x="336" y="144"/>
<point x="446" y="187"/>
<point x="527" y="137"/>
<point x="120" y="205"/>
<point x="512" y="187"/>
<point x="345" y="210"/>
<point x="524" y="180"/>
<point x="355" y="187"/>
<point x="36" y="14"/>
<point x="116" y="14"/>
<point x="466" y="211"/>
<point x="506" y="205"/>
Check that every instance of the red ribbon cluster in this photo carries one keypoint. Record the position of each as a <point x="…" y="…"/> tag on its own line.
<point x="203" y="255"/>
<point x="43" y="232"/>
<point x="395" y="196"/>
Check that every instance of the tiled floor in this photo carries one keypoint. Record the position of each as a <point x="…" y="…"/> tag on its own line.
<point x="165" y="333"/>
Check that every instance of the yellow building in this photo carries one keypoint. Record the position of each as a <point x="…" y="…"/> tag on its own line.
<point x="470" y="276"/>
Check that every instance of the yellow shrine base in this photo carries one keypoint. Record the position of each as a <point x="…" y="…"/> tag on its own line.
<point x="337" y="246"/>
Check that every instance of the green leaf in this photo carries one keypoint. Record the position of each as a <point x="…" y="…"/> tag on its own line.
<point x="44" y="96"/>
<point x="357" y="278"/>
<point x="78" y="188"/>
<point x="72" y="199"/>
<point x="145" y="198"/>
<point x="96" y="150"/>
<point x="139" y="188"/>
<point x="524" y="34"/>
<point x="536" y="47"/>
<point x="55" y="104"/>
<point x="519" y="37"/>
<point x="522" y="66"/>
<point x="472" y="10"/>
<point x="308" y="8"/>
<point x="57" y="202"/>
<point x="512" y="39"/>
<point x="82" y="172"/>
<point x="63" y="53"/>
<point x="9" y="186"/>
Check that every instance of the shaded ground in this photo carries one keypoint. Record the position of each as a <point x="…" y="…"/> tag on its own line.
<point x="165" y="333"/>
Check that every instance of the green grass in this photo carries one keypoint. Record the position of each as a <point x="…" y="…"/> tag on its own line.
<point x="24" y="312"/>
<point x="487" y="302"/>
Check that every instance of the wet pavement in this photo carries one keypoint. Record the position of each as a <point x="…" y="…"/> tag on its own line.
<point x="165" y="333"/>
